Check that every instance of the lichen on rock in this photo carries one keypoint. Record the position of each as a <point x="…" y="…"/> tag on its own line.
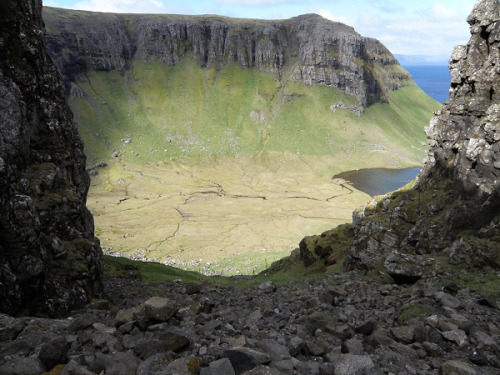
<point x="49" y="257"/>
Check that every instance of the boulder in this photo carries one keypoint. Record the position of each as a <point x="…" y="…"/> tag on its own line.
<point x="159" y="309"/>
<point x="457" y="367"/>
<point x="244" y="359"/>
<point x="276" y="351"/>
<point x="404" y="334"/>
<point x="54" y="352"/>
<point x="405" y="268"/>
<point x="221" y="367"/>
<point x="175" y="340"/>
<point x="22" y="366"/>
<point x="73" y="368"/>
<point x="268" y="287"/>
<point x="349" y="364"/>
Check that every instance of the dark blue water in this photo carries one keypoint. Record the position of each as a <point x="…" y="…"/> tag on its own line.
<point x="433" y="79"/>
<point x="378" y="181"/>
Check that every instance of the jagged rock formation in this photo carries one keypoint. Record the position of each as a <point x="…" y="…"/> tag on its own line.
<point x="453" y="209"/>
<point x="307" y="48"/>
<point x="49" y="257"/>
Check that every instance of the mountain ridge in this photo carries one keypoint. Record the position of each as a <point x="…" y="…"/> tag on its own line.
<point x="308" y="48"/>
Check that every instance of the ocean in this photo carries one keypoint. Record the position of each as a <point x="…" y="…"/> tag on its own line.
<point x="433" y="79"/>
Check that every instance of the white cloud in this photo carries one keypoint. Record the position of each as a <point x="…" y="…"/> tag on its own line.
<point x="440" y="12"/>
<point x="123" y="6"/>
<point x="329" y="16"/>
<point x="256" y="2"/>
<point x="371" y="21"/>
<point x="432" y="31"/>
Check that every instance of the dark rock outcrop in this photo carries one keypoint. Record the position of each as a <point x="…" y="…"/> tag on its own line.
<point x="49" y="257"/>
<point x="307" y="48"/>
<point x="454" y="207"/>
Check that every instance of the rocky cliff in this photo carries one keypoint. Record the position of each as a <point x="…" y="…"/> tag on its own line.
<point x="49" y="258"/>
<point x="307" y="48"/>
<point x="453" y="209"/>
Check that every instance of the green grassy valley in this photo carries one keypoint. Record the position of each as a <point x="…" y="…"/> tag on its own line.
<point x="225" y="170"/>
<point x="157" y="112"/>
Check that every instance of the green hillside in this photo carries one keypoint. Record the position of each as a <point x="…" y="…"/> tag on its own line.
<point x="225" y="171"/>
<point x="156" y="112"/>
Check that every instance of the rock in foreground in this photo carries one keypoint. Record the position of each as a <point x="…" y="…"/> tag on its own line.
<point x="376" y="327"/>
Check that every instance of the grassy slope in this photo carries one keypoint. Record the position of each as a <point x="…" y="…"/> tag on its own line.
<point x="183" y="130"/>
<point x="185" y="111"/>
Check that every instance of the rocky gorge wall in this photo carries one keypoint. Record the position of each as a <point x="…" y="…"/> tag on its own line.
<point x="49" y="257"/>
<point x="454" y="208"/>
<point x="307" y="48"/>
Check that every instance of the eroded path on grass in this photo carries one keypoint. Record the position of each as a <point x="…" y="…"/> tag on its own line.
<point x="228" y="216"/>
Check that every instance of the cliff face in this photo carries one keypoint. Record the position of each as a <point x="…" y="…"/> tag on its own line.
<point x="454" y="208"/>
<point x="308" y="48"/>
<point x="49" y="257"/>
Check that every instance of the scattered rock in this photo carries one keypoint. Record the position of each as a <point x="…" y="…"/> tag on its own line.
<point x="458" y="336"/>
<point x="478" y="358"/>
<point x="220" y="367"/>
<point x="405" y="268"/>
<point x="451" y="288"/>
<point x="159" y="309"/>
<point x="244" y="359"/>
<point x="73" y="368"/>
<point x="448" y="300"/>
<point x="54" y="352"/>
<point x="175" y="340"/>
<point x="348" y="364"/>
<point x="366" y="328"/>
<point x="22" y="366"/>
<point x="488" y="300"/>
<point x="353" y="346"/>
<point x="145" y="348"/>
<point x="457" y="367"/>
<point x="276" y="351"/>
<point x="318" y="320"/>
<point x="81" y="322"/>
<point x="268" y="287"/>
<point x="404" y="334"/>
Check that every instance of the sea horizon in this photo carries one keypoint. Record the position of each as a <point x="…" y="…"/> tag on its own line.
<point x="434" y="80"/>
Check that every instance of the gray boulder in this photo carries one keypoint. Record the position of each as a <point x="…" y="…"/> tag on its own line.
<point x="221" y="367"/>
<point x="244" y="359"/>
<point x="405" y="268"/>
<point x="276" y="351"/>
<point x="349" y="364"/>
<point x="159" y="309"/>
<point x="22" y="366"/>
<point x="457" y="367"/>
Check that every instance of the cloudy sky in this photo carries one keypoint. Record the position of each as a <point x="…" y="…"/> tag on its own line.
<point x="423" y="27"/>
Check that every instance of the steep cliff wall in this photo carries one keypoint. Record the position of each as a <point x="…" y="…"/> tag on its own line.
<point x="307" y="48"/>
<point x="49" y="258"/>
<point x="454" y="209"/>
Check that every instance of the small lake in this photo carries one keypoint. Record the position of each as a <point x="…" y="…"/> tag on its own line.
<point x="378" y="181"/>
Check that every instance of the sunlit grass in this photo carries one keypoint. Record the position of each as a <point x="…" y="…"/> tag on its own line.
<point x="182" y="133"/>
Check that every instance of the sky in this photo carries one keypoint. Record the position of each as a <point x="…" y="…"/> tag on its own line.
<point x="409" y="27"/>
